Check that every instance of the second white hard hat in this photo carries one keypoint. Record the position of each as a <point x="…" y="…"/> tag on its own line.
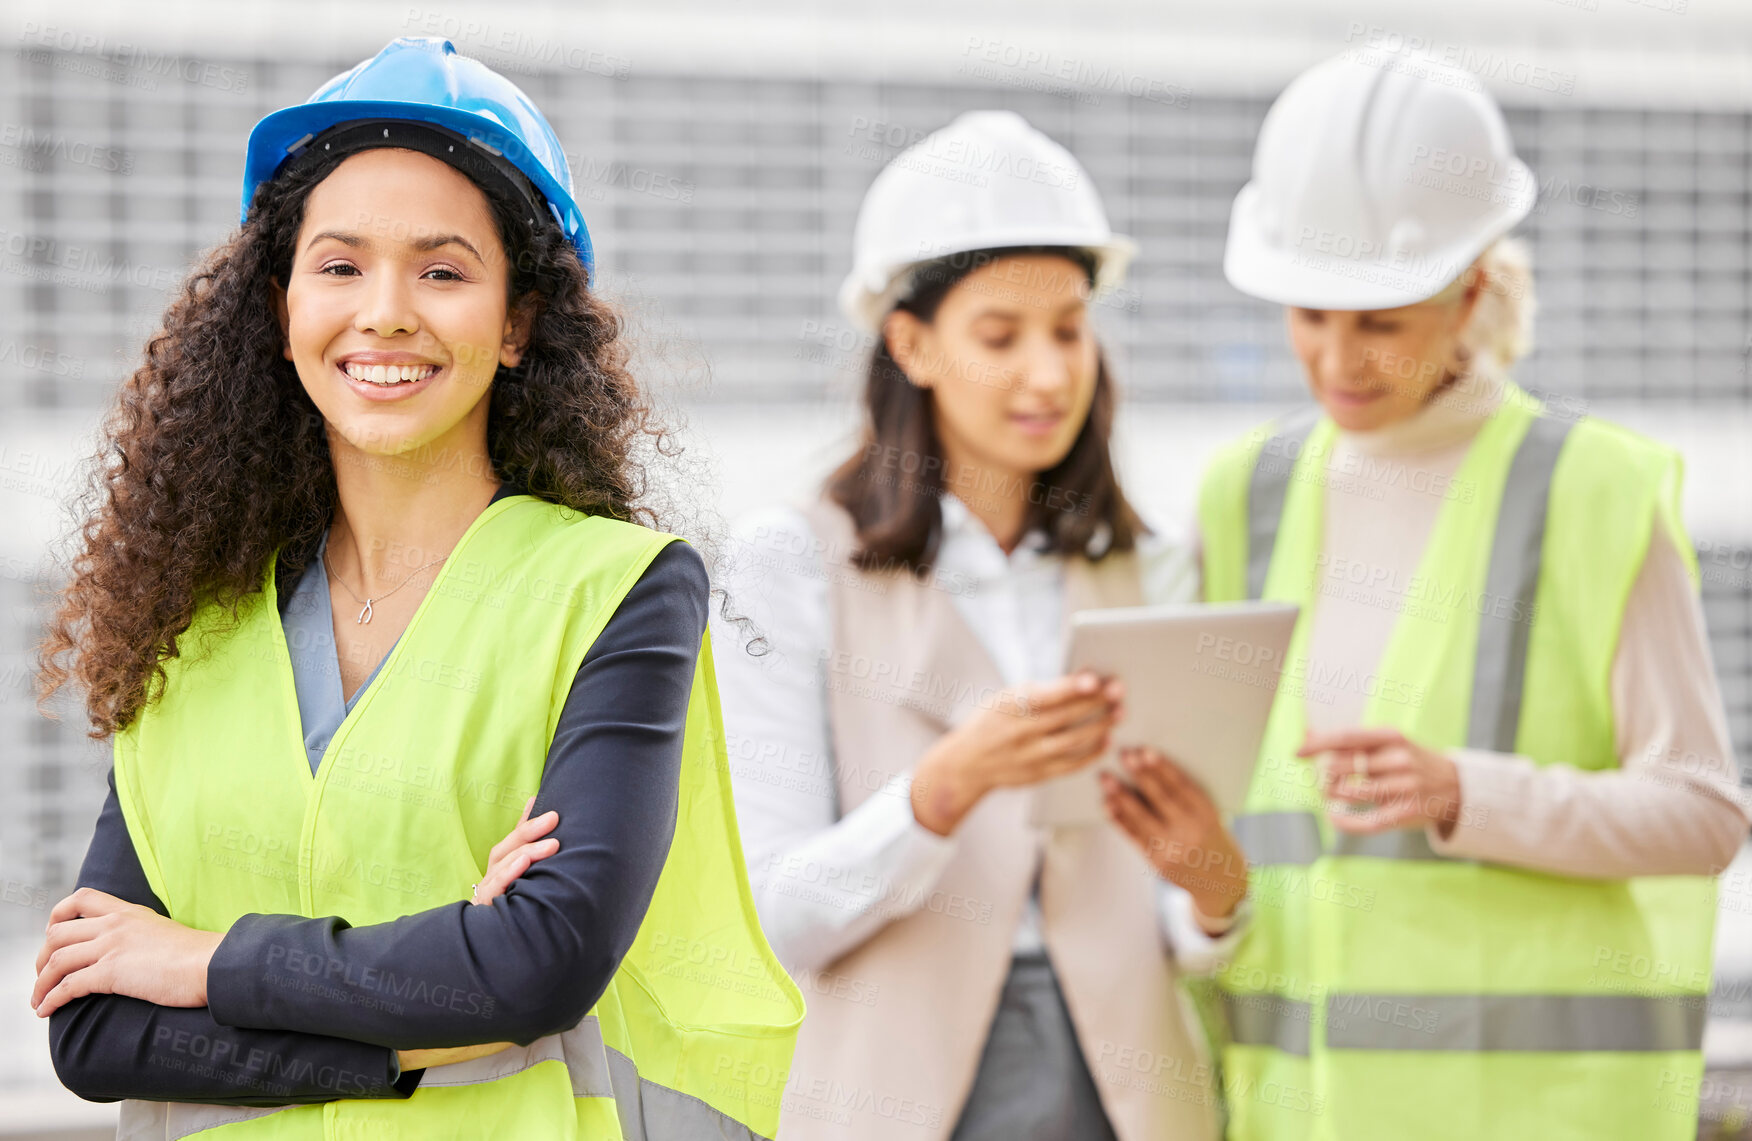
<point x="988" y="180"/>
<point x="1377" y="179"/>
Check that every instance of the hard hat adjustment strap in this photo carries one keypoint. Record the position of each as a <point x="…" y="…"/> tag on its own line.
<point x="483" y="163"/>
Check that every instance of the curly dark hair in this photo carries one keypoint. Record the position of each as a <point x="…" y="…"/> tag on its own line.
<point x="199" y="479"/>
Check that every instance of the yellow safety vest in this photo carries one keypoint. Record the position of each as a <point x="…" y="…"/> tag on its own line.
<point x="1384" y="992"/>
<point x="432" y="766"/>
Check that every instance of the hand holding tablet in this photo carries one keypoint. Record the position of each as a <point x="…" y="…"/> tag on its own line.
<point x="1200" y="681"/>
<point x="1032" y="733"/>
<point x="1178" y="830"/>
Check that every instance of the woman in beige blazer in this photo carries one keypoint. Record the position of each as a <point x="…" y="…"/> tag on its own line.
<point x="968" y="975"/>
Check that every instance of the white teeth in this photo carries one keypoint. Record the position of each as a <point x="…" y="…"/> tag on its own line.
<point x="387" y="375"/>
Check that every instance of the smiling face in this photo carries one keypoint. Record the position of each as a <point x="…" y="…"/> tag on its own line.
<point x="395" y="310"/>
<point x="1374" y="367"/>
<point x="1011" y="361"/>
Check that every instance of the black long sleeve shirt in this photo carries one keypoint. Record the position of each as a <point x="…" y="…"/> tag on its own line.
<point x="532" y="964"/>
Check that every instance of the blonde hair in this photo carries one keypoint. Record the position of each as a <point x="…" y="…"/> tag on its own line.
<point x="1500" y="330"/>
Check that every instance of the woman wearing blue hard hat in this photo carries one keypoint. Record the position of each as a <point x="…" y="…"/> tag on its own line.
<point x="364" y="584"/>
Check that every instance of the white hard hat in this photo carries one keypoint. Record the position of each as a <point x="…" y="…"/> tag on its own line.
<point x="1377" y="180"/>
<point x="988" y="180"/>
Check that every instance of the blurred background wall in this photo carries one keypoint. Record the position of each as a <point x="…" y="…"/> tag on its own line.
<point x="720" y="151"/>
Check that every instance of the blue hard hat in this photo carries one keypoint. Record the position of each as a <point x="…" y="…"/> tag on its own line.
<point x="422" y="80"/>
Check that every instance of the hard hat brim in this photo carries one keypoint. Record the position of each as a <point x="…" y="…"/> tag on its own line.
<point x="273" y="137"/>
<point x="1311" y="278"/>
<point x="866" y="302"/>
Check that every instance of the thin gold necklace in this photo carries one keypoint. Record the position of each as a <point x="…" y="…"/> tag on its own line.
<point x="365" y="614"/>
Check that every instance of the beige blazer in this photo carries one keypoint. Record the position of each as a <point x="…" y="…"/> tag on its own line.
<point x="895" y="1029"/>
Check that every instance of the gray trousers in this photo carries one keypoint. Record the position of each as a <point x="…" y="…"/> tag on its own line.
<point x="1032" y="1084"/>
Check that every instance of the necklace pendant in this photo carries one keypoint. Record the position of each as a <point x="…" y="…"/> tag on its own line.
<point x="365" y="614"/>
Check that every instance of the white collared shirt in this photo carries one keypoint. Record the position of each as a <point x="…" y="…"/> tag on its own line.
<point x="808" y="866"/>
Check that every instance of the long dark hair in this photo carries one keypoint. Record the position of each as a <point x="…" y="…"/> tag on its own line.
<point x="200" y="478"/>
<point x="893" y="486"/>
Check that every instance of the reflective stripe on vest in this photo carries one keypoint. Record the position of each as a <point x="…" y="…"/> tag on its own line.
<point x="1293" y="838"/>
<point x="1266" y="1019"/>
<point x="1569" y="1023"/>
<point x="1516" y="556"/>
<point x="1501" y="666"/>
<point x="648" y="1111"/>
<point x="1266" y="488"/>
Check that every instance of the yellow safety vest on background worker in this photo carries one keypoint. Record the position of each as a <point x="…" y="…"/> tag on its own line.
<point x="430" y="769"/>
<point x="1383" y="992"/>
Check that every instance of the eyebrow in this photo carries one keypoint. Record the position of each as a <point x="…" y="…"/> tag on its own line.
<point x="421" y="245"/>
<point x="1012" y="315"/>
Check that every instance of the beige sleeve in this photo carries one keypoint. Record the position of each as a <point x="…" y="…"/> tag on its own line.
<point x="1673" y="807"/>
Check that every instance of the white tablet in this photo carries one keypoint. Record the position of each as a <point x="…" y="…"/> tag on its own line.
<point x="1199" y="682"/>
